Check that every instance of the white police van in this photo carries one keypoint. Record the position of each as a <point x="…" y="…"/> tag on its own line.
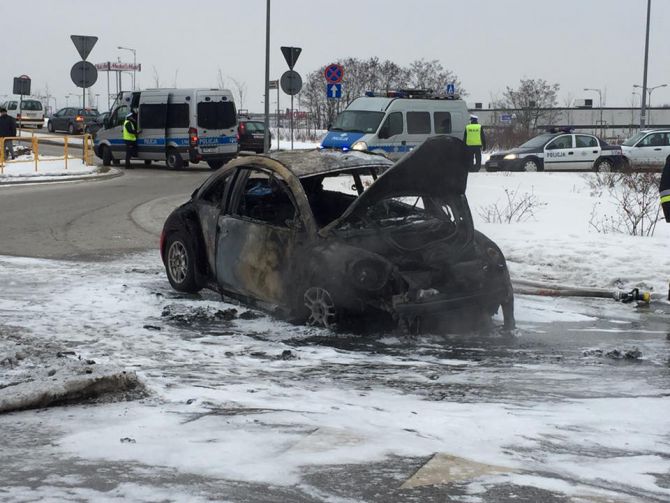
<point x="177" y="126"/>
<point x="396" y="122"/>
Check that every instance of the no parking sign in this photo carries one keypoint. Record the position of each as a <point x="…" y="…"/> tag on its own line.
<point x="334" y="73"/>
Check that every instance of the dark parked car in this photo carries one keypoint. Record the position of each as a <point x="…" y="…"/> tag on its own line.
<point x="73" y="120"/>
<point x="326" y="236"/>
<point x="251" y="134"/>
<point x="98" y="123"/>
<point x="563" y="150"/>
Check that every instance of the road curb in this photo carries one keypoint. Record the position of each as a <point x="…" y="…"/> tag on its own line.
<point x="112" y="173"/>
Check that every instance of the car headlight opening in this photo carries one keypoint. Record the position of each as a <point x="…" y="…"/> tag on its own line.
<point x="359" y="145"/>
<point x="510" y="157"/>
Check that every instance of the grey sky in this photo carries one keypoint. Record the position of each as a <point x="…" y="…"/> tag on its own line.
<point x="488" y="43"/>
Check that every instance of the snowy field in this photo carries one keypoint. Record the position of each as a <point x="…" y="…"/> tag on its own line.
<point x="49" y="168"/>
<point x="239" y="396"/>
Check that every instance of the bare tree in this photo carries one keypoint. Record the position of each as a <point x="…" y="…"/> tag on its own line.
<point x="220" y="81"/>
<point x="157" y="78"/>
<point x="176" y="74"/>
<point x="532" y="102"/>
<point x="241" y="89"/>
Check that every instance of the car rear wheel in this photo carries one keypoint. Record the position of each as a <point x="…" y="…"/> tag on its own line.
<point x="174" y="160"/>
<point x="321" y="310"/>
<point x="180" y="263"/>
<point x="106" y="155"/>
<point x="70" y="129"/>
<point x="147" y="162"/>
<point x="50" y="126"/>
<point x="214" y="164"/>
<point x="603" y="166"/>
<point x="531" y="165"/>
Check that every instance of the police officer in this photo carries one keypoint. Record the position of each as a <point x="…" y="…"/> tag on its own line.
<point x="664" y="189"/>
<point x="130" y="133"/>
<point x="475" y="142"/>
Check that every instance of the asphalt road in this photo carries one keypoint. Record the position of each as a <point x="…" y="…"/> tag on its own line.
<point x="92" y="219"/>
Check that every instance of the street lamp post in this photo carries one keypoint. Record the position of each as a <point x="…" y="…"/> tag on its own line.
<point x="134" y="62"/>
<point x="649" y="91"/>
<point x="600" y="101"/>
<point x="643" y="104"/>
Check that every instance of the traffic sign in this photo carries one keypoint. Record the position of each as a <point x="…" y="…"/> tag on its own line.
<point x="22" y="85"/>
<point x="83" y="74"/>
<point x="291" y="82"/>
<point x="291" y="55"/>
<point x="506" y="118"/>
<point x="334" y="91"/>
<point x="334" y="73"/>
<point x="451" y="89"/>
<point x="84" y="44"/>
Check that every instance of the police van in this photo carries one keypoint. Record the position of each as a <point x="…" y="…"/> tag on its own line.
<point x="396" y="122"/>
<point x="27" y="113"/>
<point x="178" y="126"/>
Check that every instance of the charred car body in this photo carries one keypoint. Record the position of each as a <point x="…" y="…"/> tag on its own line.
<point x="326" y="235"/>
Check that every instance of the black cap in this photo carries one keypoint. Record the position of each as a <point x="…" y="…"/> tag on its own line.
<point x="3" y="110"/>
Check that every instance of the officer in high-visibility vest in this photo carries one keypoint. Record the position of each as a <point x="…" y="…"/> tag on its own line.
<point x="475" y="142"/>
<point x="130" y="133"/>
<point x="664" y="189"/>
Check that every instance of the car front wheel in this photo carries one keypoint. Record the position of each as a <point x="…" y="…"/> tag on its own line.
<point x="321" y="309"/>
<point x="106" y="155"/>
<point x="180" y="263"/>
<point x="531" y="165"/>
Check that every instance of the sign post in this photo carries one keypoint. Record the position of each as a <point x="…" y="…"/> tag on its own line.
<point x="274" y="84"/>
<point x="84" y="45"/>
<point x="290" y="81"/>
<point x="22" y="88"/>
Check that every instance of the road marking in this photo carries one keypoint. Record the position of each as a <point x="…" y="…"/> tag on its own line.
<point x="444" y="469"/>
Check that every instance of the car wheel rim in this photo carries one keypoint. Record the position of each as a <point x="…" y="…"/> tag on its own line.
<point x="178" y="261"/>
<point x="530" y="166"/>
<point x="321" y="307"/>
<point x="604" y="167"/>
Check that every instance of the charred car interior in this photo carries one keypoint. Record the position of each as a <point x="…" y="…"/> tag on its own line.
<point x="327" y="237"/>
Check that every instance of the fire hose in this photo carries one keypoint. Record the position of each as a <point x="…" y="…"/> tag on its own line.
<point x="526" y="287"/>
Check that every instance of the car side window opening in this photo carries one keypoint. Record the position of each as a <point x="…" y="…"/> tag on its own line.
<point x="442" y="122"/>
<point x="560" y="142"/>
<point x="393" y="125"/>
<point x="583" y="141"/>
<point x="214" y="193"/>
<point x="418" y="122"/>
<point x="152" y="116"/>
<point x="119" y="115"/>
<point x="266" y="198"/>
<point x="177" y="115"/>
<point x="654" y="140"/>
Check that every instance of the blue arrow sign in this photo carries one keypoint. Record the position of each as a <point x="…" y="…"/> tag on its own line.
<point x="451" y="89"/>
<point x="334" y="91"/>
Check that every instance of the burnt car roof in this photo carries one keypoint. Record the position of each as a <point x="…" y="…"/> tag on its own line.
<point x="306" y="163"/>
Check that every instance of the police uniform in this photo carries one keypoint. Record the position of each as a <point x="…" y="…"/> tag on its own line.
<point x="475" y="142"/>
<point x="664" y="189"/>
<point x="130" y="138"/>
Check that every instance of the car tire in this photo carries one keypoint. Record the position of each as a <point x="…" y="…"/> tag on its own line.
<point x="180" y="263"/>
<point x="173" y="160"/>
<point x="214" y="164"/>
<point x="39" y="127"/>
<point x="50" y="127"/>
<point x="603" y="166"/>
<point x="320" y="308"/>
<point x="70" y="129"/>
<point x="147" y="162"/>
<point x="106" y="155"/>
<point x="531" y="165"/>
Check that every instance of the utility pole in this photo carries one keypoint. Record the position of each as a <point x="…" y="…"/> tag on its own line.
<point x="266" y="141"/>
<point x="643" y="107"/>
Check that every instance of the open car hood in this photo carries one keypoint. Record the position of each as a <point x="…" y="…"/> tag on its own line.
<point x="436" y="168"/>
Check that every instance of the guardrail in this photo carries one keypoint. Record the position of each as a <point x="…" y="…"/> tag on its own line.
<point x="34" y="141"/>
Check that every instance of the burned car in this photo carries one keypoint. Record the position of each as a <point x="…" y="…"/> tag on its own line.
<point x="323" y="236"/>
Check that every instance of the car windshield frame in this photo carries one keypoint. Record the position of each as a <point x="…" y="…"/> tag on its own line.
<point x="630" y="142"/>
<point x="358" y="121"/>
<point x="538" y="141"/>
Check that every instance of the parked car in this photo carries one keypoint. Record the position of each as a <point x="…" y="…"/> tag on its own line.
<point x="299" y="233"/>
<point x="29" y="113"/>
<point x="562" y="150"/>
<point x="647" y="148"/>
<point x="72" y="120"/>
<point x="98" y="123"/>
<point x="251" y="134"/>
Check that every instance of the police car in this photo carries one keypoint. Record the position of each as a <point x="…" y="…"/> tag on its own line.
<point x="563" y="150"/>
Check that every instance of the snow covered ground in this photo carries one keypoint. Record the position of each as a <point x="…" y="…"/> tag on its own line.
<point x="239" y="396"/>
<point x="49" y="168"/>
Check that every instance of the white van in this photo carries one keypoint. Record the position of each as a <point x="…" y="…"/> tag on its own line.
<point x="28" y="113"/>
<point x="177" y="126"/>
<point x="396" y="122"/>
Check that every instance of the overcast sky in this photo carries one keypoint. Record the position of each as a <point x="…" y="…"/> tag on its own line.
<point x="489" y="44"/>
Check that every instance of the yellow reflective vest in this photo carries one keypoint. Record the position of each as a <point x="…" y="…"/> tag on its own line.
<point x="473" y="135"/>
<point x="129" y="131"/>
